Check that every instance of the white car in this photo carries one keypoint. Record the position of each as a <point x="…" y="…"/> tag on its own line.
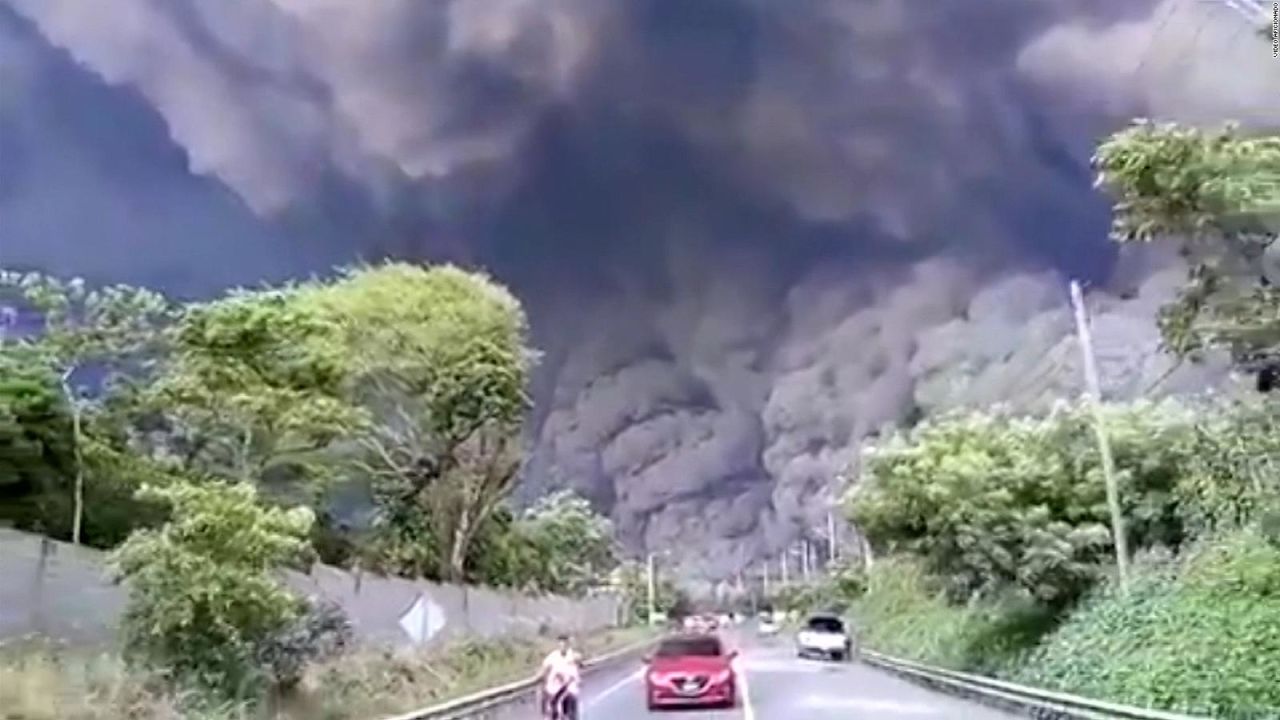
<point x="767" y="626"/>
<point x="824" y="636"/>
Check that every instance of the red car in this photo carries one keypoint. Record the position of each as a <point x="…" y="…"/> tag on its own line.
<point x="689" y="670"/>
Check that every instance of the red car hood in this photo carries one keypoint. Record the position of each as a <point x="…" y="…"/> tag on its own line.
<point x="695" y="664"/>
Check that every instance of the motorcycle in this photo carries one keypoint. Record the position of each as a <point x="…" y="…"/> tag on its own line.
<point x="562" y="705"/>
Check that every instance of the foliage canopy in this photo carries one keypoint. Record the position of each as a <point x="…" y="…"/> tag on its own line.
<point x="203" y="595"/>
<point x="991" y="501"/>
<point x="1218" y="195"/>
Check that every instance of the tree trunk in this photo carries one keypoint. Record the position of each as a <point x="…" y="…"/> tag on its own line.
<point x="246" y="446"/>
<point x="76" y="443"/>
<point x="458" y="549"/>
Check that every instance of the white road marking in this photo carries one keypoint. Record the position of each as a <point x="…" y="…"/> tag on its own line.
<point x="637" y="675"/>
<point x="748" y="712"/>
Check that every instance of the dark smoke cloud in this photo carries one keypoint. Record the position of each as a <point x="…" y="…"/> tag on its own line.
<point x="749" y="232"/>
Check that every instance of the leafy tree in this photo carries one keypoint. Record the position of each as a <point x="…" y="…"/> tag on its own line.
<point x="257" y="386"/>
<point x="1218" y="195"/>
<point x="1230" y="479"/>
<point x="442" y="366"/>
<point x="107" y="330"/>
<point x="991" y="501"/>
<point x="37" y="463"/>
<point x="572" y="544"/>
<point x="204" y="602"/>
<point x="560" y="545"/>
<point x="503" y="555"/>
<point x="35" y="441"/>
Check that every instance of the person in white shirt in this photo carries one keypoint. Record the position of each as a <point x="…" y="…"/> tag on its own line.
<point x="561" y="679"/>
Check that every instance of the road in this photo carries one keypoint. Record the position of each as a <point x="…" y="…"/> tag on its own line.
<point x="775" y="685"/>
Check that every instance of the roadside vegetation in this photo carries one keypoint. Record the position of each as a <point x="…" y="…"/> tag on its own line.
<point x="992" y="530"/>
<point x="993" y="554"/>
<point x="371" y="420"/>
<point x="50" y="684"/>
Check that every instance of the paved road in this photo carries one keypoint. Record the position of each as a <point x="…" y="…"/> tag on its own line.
<point x="778" y="686"/>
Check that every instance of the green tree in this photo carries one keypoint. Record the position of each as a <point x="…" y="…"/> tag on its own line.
<point x="1230" y="479"/>
<point x="991" y="502"/>
<point x="1218" y="195"/>
<point x="572" y="544"/>
<point x="109" y="330"/>
<point x="35" y="441"/>
<point x="502" y="555"/>
<point x="258" y="386"/>
<point x="441" y="364"/>
<point x="204" y="599"/>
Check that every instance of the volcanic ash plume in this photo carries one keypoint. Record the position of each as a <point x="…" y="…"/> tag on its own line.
<point x="748" y="233"/>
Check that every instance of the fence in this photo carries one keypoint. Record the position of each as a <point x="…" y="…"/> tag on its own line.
<point x="62" y="592"/>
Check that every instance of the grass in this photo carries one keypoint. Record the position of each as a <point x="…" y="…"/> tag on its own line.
<point x="1196" y="634"/>
<point x="43" y="684"/>
<point x="903" y="614"/>
<point x="38" y="683"/>
<point x="1202" y="637"/>
<point x="373" y="684"/>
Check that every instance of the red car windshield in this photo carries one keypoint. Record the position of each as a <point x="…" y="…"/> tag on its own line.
<point x="690" y="647"/>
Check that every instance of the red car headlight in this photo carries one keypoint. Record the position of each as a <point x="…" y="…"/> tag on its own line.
<point x="722" y="677"/>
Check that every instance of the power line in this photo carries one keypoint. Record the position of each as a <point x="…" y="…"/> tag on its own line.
<point x="1250" y="10"/>
<point x="1151" y="41"/>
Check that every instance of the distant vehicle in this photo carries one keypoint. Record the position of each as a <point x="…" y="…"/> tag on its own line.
<point x="698" y="624"/>
<point x="824" y="636"/>
<point x="691" y="670"/>
<point x="767" y="625"/>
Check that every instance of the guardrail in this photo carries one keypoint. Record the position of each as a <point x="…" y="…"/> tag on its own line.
<point x="1032" y="702"/>
<point x="504" y="696"/>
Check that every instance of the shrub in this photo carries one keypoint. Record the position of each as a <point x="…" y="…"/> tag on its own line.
<point x="37" y="683"/>
<point x="1201" y="638"/>
<point x="203" y="599"/>
<point x="905" y="613"/>
<point x="992" y="502"/>
<point x="1230" y="477"/>
<point x="322" y="633"/>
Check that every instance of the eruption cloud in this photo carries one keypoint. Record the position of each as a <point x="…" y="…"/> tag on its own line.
<point x="749" y="233"/>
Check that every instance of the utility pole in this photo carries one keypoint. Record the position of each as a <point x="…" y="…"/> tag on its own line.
<point x="783" y="561"/>
<point x="8" y="317"/>
<point x="804" y="559"/>
<point x="831" y="539"/>
<point x="1094" y="388"/>
<point x="653" y="593"/>
<point x="765" y="577"/>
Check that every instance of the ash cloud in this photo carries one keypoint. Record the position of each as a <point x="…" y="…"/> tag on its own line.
<point x="1199" y="62"/>
<point x="748" y="233"/>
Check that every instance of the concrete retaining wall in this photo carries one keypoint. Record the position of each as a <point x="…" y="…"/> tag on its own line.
<point x="62" y="592"/>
